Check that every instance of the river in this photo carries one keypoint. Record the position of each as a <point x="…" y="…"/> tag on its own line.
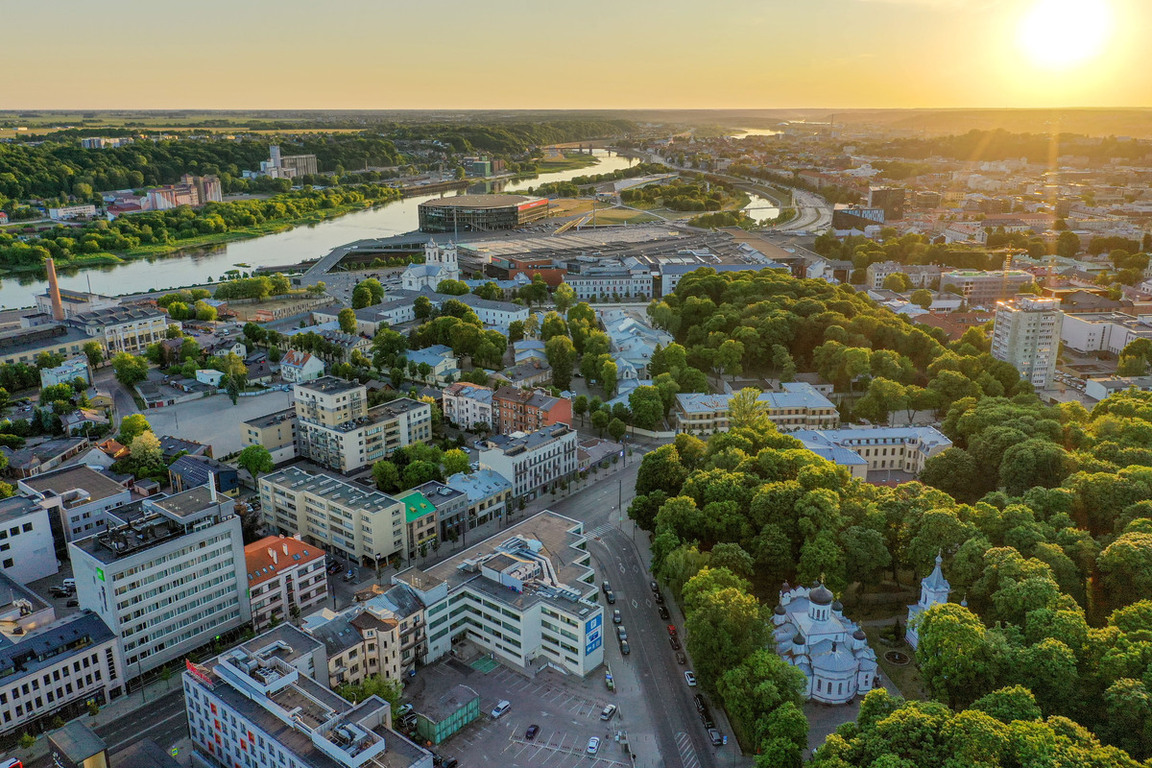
<point x="310" y="242"/>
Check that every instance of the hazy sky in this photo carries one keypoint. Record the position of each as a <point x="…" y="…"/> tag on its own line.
<point x="381" y="54"/>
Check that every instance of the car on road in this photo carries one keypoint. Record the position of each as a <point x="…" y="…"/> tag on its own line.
<point x="654" y="586"/>
<point x="350" y="575"/>
<point x="56" y="591"/>
<point x="698" y="700"/>
<point x="73" y="603"/>
<point x="621" y="633"/>
<point x="530" y="734"/>
<point x="675" y="642"/>
<point x="625" y="648"/>
<point x="610" y="596"/>
<point x="616" y="617"/>
<point x="659" y="598"/>
<point x="663" y="611"/>
<point x="593" y="745"/>
<point x="501" y="709"/>
<point x="608" y="712"/>
<point x="681" y="658"/>
<point x="690" y="678"/>
<point x="715" y="737"/>
<point x="671" y="630"/>
<point x="606" y="587"/>
<point x="333" y="569"/>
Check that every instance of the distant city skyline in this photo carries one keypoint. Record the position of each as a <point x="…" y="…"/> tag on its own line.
<point x="641" y="54"/>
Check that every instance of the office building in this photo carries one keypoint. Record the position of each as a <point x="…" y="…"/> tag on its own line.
<point x="598" y="278"/>
<point x="526" y="595"/>
<point x="799" y="406"/>
<point x="335" y="427"/>
<point x="532" y="462"/>
<point x="260" y="705"/>
<point x="981" y="288"/>
<point x="488" y="494"/>
<point x="1092" y="332"/>
<point x="480" y="213"/>
<point x="167" y="576"/>
<point x="521" y="410"/>
<point x="351" y="521"/>
<point x="286" y="579"/>
<point x="276" y="432"/>
<point x="1026" y="333"/>
<point x="78" y="498"/>
<point x="54" y="668"/>
<point x="27" y="550"/>
<point x="466" y="404"/>
<point x="68" y="212"/>
<point x="889" y="199"/>
<point x="864" y="451"/>
<point x="123" y="329"/>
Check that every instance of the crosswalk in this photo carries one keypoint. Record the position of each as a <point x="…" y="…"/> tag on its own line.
<point x="687" y="751"/>
<point x="599" y="531"/>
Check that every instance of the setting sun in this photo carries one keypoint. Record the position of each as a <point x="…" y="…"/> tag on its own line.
<point x="1058" y="34"/>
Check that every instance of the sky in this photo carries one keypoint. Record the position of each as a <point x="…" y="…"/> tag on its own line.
<point x="593" y="54"/>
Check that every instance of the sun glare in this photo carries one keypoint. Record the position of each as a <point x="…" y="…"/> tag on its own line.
<point x="1059" y="34"/>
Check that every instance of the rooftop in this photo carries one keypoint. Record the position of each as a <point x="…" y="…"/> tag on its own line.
<point x="48" y="644"/>
<point x="329" y="385"/>
<point x="480" y="485"/>
<point x="795" y="395"/>
<point x="16" y="507"/>
<point x="521" y="442"/>
<point x="926" y="436"/>
<point x="271" y="555"/>
<point x="116" y="315"/>
<point x="478" y="201"/>
<point x="61" y="481"/>
<point x="416" y="506"/>
<point x="276" y="417"/>
<point x="332" y="489"/>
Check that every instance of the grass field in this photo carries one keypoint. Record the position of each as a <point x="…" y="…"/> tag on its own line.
<point x="569" y="162"/>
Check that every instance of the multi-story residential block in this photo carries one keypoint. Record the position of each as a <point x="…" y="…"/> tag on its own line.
<point x="526" y="595"/>
<point x="27" y="551"/>
<point x="67" y="372"/>
<point x="123" y="329"/>
<point x="466" y="404"/>
<point x="297" y="366"/>
<point x="78" y="498"/>
<point x="64" y="213"/>
<point x="1090" y="332"/>
<point x="532" y="462"/>
<point x="259" y="704"/>
<point x="53" y="667"/>
<point x="451" y="509"/>
<point x="519" y="410"/>
<point x="286" y="579"/>
<point x="276" y="432"/>
<point x="919" y="275"/>
<point x="167" y="576"/>
<point x="359" y="644"/>
<point x="903" y="449"/>
<point x="799" y="406"/>
<point x="335" y="427"/>
<point x="593" y="278"/>
<point x="420" y="523"/>
<point x="981" y="288"/>
<point x="1026" y="333"/>
<point x="488" y="494"/>
<point x="439" y="358"/>
<point x="351" y="521"/>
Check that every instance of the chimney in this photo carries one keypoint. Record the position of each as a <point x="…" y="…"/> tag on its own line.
<point x="212" y="485"/>
<point x="54" y="290"/>
<point x="272" y="554"/>
<point x="286" y="550"/>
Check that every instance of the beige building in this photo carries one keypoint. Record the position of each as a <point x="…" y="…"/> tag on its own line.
<point x="877" y="449"/>
<point x="124" y="329"/>
<point x="276" y="432"/>
<point x="359" y="644"/>
<point x="336" y="428"/>
<point x="349" y="520"/>
<point x="799" y="406"/>
<point x="286" y="578"/>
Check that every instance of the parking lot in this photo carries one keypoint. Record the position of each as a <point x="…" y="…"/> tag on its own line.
<point x="566" y="709"/>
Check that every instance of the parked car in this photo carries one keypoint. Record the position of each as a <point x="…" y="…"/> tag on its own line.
<point x="608" y="712"/>
<point x="333" y="569"/>
<point x="654" y="586"/>
<point x="674" y="642"/>
<point x="671" y="630"/>
<point x="593" y="745"/>
<point x="715" y="737"/>
<point x="69" y="584"/>
<point x="706" y="719"/>
<point x="451" y="762"/>
<point x="698" y="700"/>
<point x="616" y="617"/>
<point x="501" y="709"/>
<point x="403" y="709"/>
<point x="659" y="598"/>
<point x="350" y="575"/>
<point x="610" y="596"/>
<point x="663" y="612"/>
<point x="621" y="633"/>
<point x="625" y="649"/>
<point x="530" y="734"/>
<point x="690" y="678"/>
<point x="681" y="658"/>
<point x="56" y="591"/>
<point x="73" y="603"/>
<point x="606" y="587"/>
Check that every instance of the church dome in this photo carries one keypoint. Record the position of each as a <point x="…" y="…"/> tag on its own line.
<point x="859" y="634"/>
<point x="837" y="606"/>
<point x="798" y="639"/>
<point x="779" y="610"/>
<point x="821" y="595"/>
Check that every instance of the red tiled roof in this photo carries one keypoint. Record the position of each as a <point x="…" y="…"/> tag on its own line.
<point x="270" y="556"/>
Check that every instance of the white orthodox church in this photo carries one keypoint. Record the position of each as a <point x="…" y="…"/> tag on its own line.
<point x="934" y="590"/>
<point x="439" y="264"/>
<point x="812" y="634"/>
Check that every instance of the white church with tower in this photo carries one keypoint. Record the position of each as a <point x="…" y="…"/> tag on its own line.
<point x="439" y="264"/>
<point x="811" y="633"/>
<point x="934" y="590"/>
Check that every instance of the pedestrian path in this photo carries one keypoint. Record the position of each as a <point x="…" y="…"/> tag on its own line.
<point x="687" y="752"/>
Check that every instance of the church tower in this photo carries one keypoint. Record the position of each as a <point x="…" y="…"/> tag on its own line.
<point x="934" y="590"/>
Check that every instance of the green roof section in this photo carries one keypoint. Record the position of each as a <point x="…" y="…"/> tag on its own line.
<point x="416" y="506"/>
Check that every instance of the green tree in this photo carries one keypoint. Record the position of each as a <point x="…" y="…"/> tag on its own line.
<point x="452" y="287"/>
<point x="955" y="657"/>
<point x="94" y="351"/>
<point x="130" y="370"/>
<point x="747" y="411"/>
<point x="456" y="461"/>
<point x="564" y="297"/>
<point x="205" y="312"/>
<point x="728" y="627"/>
<point x="146" y="450"/>
<point x="256" y="460"/>
<point x="608" y="374"/>
<point x="362" y="297"/>
<point x="561" y="356"/>
<point x="617" y="429"/>
<point x="347" y="320"/>
<point x="897" y="281"/>
<point x="647" y="407"/>
<point x="922" y="297"/>
<point x="580" y="407"/>
<point x="600" y="420"/>
<point x="386" y="476"/>
<point x="131" y="427"/>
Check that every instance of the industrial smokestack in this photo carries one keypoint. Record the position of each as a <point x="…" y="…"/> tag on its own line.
<point x="54" y="290"/>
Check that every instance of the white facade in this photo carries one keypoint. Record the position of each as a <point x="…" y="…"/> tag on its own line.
<point x="72" y="212"/>
<point x="298" y="366"/>
<point x="79" y="496"/>
<point x="934" y="590"/>
<point x="286" y="579"/>
<point x="71" y="369"/>
<point x="531" y="462"/>
<point x="27" y="551"/>
<point x="811" y="633"/>
<point x="439" y="264"/>
<point x="1103" y="331"/>
<point x="168" y="581"/>
<point x="465" y="404"/>
<point x="1026" y="333"/>
<point x="904" y="449"/>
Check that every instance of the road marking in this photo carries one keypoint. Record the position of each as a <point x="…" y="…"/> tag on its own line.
<point x="687" y="751"/>
<point x="136" y="736"/>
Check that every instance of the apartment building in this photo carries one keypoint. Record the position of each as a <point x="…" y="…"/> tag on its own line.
<point x="167" y="576"/>
<point x="70" y="370"/>
<point x="358" y="643"/>
<point x="451" y="509"/>
<point x="351" y="521"/>
<point x="68" y="212"/>
<point x="1090" y="332"/>
<point x="124" y="328"/>
<point x="297" y="366"/>
<point x="593" y="278"/>
<point x="276" y="432"/>
<point x="980" y="288"/>
<point x="488" y="494"/>
<point x="335" y="427"/>
<point x="286" y="578"/>
<point x="466" y="404"/>
<point x="259" y="704"/>
<point x="526" y="595"/>
<point x="864" y="451"/>
<point x="52" y="668"/>
<point x="919" y="275"/>
<point x="799" y="406"/>
<point x="78" y="499"/>
<point x="420" y="522"/>
<point x="520" y="410"/>
<point x="27" y="550"/>
<point x="532" y="462"/>
<point x="1026" y="333"/>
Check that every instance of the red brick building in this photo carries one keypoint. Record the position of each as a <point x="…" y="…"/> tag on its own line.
<point x="522" y="410"/>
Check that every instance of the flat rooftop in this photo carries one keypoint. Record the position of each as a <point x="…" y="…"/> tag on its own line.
<point x="61" y="481"/>
<point x="329" y="385"/>
<point x="478" y="201"/>
<point x="276" y="417"/>
<point x="331" y="488"/>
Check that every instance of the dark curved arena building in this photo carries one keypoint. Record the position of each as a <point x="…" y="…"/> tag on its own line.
<point x="480" y="213"/>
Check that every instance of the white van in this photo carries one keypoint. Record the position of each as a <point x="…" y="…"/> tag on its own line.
<point x="69" y="584"/>
<point x="501" y="708"/>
